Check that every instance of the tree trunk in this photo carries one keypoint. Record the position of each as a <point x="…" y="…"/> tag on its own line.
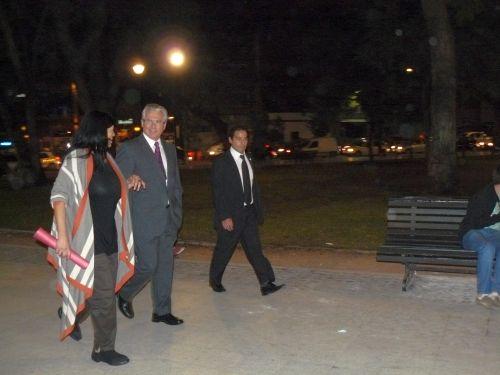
<point x="442" y="160"/>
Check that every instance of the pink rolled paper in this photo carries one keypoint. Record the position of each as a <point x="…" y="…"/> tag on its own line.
<point x="47" y="239"/>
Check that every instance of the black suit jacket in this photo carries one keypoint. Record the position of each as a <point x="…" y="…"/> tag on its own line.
<point x="228" y="192"/>
<point x="157" y="209"/>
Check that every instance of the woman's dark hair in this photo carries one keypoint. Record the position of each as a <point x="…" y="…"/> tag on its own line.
<point x="93" y="135"/>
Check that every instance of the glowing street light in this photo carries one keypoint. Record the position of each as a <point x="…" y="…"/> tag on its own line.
<point x="176" y="58"/>
<point x="409" y="70"/>
<point x="138" y="69"/>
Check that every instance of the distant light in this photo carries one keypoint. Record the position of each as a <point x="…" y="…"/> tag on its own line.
<point x="176" y="58"/>
<point x="137" y="128"/>
<point x="170" y="117"/>
<point x="26" y="136"/>
<point x="23" y="128"/>
<point x="68" y="145"/>
<point x="138" y="69"/>
<point x="6" y="143"/>
<point x="21" y="95"/>
<point x="409" y="70"/>
<point x="128" y="121"/>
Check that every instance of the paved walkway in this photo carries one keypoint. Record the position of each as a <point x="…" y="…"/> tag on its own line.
<point x="323" y="322"/>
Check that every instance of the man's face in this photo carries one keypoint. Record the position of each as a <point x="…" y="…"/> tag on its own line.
<point x="239" y="141"/>
<point x="153" y="124"/>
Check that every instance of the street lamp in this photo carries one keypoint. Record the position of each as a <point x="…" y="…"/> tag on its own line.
<point x="138" y="69"/>
<point x="176" y="57"/>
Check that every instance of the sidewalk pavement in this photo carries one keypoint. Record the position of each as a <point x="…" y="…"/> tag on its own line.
<point x="322" y="322"/>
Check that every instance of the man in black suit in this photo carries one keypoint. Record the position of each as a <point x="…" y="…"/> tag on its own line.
<point x="237" y="214"/>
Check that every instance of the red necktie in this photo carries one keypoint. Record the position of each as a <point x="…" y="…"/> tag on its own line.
<point x="158" y="159"/>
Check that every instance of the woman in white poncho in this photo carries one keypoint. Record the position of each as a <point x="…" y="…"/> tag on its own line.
<point x="92" y="217"/>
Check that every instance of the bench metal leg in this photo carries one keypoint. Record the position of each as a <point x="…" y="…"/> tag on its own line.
<point x="409" y="276"/>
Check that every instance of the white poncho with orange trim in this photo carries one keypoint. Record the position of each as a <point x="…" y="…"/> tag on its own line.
<point x="74" y="283"/>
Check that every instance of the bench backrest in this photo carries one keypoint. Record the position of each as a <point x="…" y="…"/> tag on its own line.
<point x="424" y="220"/>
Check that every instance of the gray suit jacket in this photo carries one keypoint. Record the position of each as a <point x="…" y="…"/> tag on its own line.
<point x="157" y="209"/>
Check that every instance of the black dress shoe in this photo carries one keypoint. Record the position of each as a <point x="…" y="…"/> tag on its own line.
<point x="110" y="357"/>
<point x="76" y="334"/>
<point x="219" y="288"/>
<point x="167" y="319"/>
<point x="125" y="307"/>
<point x="270" y="288"/>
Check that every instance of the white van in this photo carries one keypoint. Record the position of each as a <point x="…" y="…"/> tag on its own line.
<point x="321" y="146"/>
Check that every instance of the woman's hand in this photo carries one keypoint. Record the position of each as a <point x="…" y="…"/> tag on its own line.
<point x="62" y="247"/>
<point x="135" y="183"/>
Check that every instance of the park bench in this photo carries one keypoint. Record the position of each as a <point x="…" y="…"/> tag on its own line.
<point x="422" y="234"/>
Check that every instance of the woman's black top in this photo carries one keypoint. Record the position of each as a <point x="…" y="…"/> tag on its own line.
<point x="104" y="193"/>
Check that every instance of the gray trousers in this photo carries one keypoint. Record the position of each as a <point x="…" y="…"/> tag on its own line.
<point x="102" y="304"/>
<point x="155" y="263"/>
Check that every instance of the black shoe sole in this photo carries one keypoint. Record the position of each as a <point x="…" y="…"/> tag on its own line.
<point x="97" y="358"/>
<point x="267" y="292"/>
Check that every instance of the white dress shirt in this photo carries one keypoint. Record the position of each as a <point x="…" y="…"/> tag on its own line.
<point x="237" y="158"/>
<point x="151" y="144"/>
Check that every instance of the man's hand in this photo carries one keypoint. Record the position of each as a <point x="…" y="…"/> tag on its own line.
<point x="228" y="224"/>
<point x="135" y="183"/>
<point x="62" y="247"/>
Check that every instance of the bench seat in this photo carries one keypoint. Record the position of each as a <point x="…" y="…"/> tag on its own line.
<point x="422" y="234"/>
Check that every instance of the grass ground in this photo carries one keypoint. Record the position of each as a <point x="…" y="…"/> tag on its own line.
<point x="307" y="205"/>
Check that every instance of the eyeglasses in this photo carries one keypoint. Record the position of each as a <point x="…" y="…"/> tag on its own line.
<point x="148" y="121"/>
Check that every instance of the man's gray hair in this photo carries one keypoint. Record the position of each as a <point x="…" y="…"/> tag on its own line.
<point x="153" y="107"/>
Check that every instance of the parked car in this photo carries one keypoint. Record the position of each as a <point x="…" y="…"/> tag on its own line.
<point x="321" y="146"/>
<point x="215" y="150"/>
<point x="358" y="147"/>
<point x="475" y="140"/>
<point x="49" y="160"/>
<point x="397" y="145"/>
<point x="282" y="150"/>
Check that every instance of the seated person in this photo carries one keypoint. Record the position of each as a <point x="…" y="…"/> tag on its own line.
<point x="480" y="231"/>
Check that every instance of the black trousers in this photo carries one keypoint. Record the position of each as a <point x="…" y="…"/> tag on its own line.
<point x="102" y="304"/>
<point x="246" y="232"/>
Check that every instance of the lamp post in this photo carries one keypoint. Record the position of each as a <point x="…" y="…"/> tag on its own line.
<point x="177" y="62"/>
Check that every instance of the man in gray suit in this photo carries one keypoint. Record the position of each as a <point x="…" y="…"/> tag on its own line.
<point x="156" y="213"/>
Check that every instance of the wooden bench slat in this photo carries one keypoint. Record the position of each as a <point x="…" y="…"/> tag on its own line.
<point x="425" y="211"/>
<point x="417" y="225"/>
<point x="424" y="219"/>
